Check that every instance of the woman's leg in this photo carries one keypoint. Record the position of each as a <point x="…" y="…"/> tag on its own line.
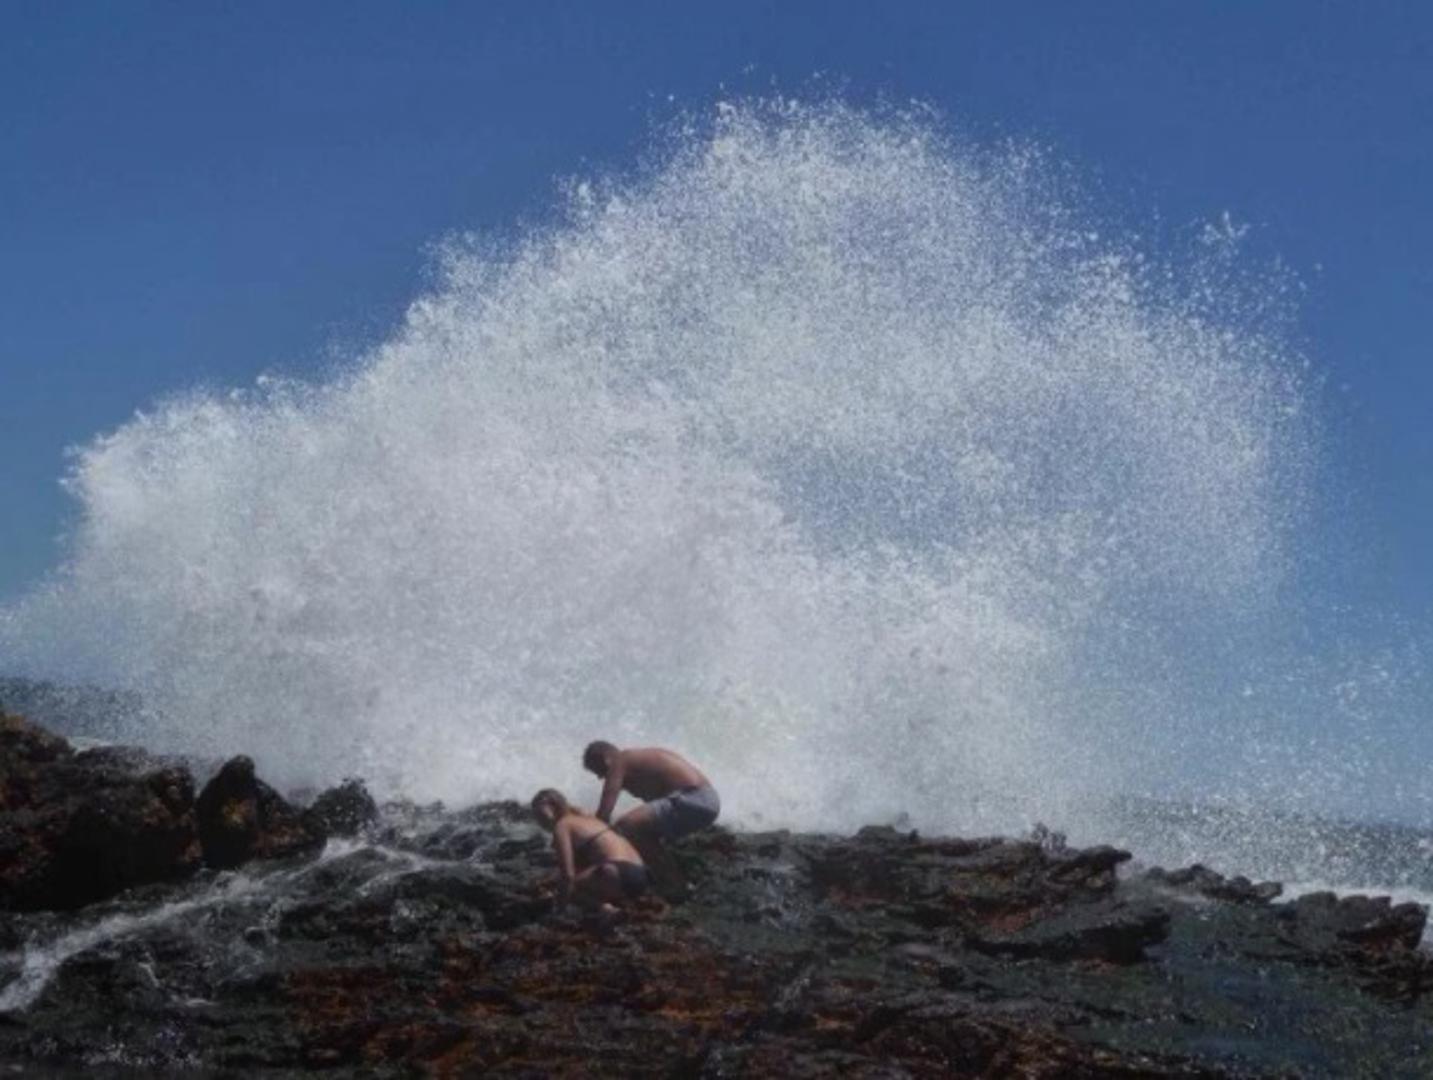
<point x="597" y="885"/>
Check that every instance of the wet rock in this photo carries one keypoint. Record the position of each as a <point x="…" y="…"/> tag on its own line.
<point x="1373" y="924"/>
<point x="431" y="900"/>
<point x="954" y="1035"/>
<point x="76" y="828"/>
<point x="986" y="888"/>
<point x="1114" y="932"/>
<point x="241" y="818"/>
<point x="430" y="947"/>
<point x="126" y="834"/>
<point x="23" y="746"/>
<point x="1205" y="882"/>
<point x="1374" y="939"/>
<point x="345" y="810"/>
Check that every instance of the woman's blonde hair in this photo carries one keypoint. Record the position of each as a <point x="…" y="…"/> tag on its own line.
<point x="556" y="798"/>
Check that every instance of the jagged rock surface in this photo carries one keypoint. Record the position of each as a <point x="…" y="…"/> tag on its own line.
<point x="79" y="827"/>
<point x="429" y="946"/>
<point x="243" y="818"/>
<point x="345" y="810"/>
<point x="1206" y="882"/>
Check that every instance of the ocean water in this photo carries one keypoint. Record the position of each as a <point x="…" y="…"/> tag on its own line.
<point x="872" y="468"/>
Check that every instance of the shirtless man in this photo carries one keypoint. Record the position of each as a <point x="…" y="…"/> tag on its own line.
<point x="679" y="799"/>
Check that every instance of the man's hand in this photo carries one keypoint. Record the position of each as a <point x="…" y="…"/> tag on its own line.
<point x="612" y="786"/>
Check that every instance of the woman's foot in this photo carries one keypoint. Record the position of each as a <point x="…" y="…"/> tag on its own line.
<point x="603" y="917"/>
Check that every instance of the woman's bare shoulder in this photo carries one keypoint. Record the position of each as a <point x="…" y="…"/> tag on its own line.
<point x="576" y="824"/>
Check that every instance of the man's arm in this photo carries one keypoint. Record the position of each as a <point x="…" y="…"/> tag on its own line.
<point x="612" y="787"/>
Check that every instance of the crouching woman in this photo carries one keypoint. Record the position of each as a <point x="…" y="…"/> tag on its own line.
<point x="598" y="866"/>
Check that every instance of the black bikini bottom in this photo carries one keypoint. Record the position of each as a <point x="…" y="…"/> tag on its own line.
<point x="633" y="877"/>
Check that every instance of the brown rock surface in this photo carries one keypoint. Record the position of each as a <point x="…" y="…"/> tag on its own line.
<point x="75" y="828"/>
<point x="242" y="818"/>
<point x="429" y="946"/>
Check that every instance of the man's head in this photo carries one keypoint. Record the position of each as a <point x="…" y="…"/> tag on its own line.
<point x="548" y="806"/>
<point x="597" y="758"/>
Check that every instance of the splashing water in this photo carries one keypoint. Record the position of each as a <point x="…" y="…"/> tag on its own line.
<point x="852" y="460"/>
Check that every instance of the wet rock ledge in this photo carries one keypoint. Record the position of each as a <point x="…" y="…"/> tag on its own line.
<point x="149" y="930"/>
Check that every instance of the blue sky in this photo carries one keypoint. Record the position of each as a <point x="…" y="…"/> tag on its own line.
<point x="196" y="193"/>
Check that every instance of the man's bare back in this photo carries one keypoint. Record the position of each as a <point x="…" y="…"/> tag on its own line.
<point x="652" y="772"/>
<point x="679" y="797"/>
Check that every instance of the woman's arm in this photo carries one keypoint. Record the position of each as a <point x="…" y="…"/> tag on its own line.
<point x="562" y="841"/>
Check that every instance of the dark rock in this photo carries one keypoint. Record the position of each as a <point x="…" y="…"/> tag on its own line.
<point x="502" y="903"/>
<point x="128" y="834"/>
<point x="430" y="947"/>
<point x="1205" y="882"/>
<point x="76" y="828"/>
<point x="986" y="888"/>
<point x="243" y="818"/>
<point x="1113" y="931"/>
<point x="25" y="745"/>
<point x="345" y="810"/>
<point x="1373" y="924"/>
<point x="1376" y="941"/>
<point x="951" y="1035"/>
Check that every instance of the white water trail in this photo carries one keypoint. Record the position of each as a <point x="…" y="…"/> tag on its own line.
<point x="856" y="462"/>
<point x="38" y="961"/>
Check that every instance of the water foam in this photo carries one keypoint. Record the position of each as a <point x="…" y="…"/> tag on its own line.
<point x="858" y="462"/>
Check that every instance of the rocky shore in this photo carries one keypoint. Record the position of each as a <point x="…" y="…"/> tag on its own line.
<point x="154" y="925"/>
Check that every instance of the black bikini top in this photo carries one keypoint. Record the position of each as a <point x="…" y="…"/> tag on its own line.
<point x="581" y="848"/>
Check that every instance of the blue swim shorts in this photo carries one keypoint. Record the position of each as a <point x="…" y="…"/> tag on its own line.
<point x="684" y="812"/>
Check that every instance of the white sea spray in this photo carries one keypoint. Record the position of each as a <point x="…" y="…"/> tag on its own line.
<point x="862" y="464"/>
